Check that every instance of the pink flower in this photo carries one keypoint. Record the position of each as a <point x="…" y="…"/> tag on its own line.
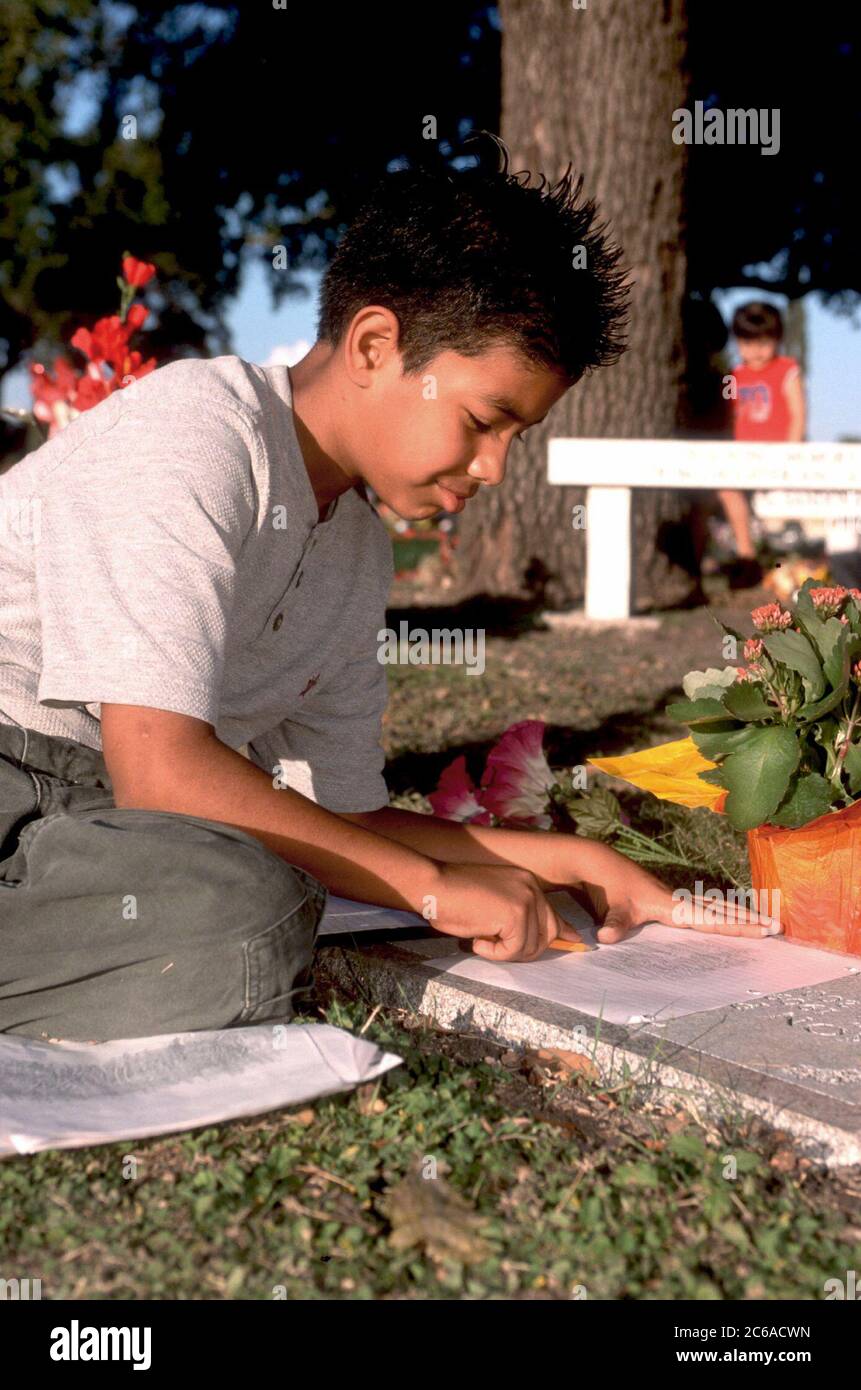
<point x="455" y="797"/>
<point x="827" y="600"/>
<point x="752" y="649"/>
<point x="770" y="617"/>
<point x="517" y="777"/>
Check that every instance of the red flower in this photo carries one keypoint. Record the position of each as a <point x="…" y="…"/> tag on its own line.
<point x="517" y="777"/>
<point x="136" y="316"/>
<point x="111" y="363"/>
<point x="455" y="797"/>
<point x="137" y="273"/>
<point x="53" y="395"/>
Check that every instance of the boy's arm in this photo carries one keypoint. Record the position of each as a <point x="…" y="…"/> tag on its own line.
<point x="615" y="889"/>
<point x="163" y="761"/>
<point x="793" y="389"/>
<point x="557" y="861"/>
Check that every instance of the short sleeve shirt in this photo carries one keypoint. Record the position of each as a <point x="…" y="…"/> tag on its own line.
<point x="165" y="549"/>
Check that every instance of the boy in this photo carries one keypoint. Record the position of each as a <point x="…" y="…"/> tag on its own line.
<point x="206" y="574"/>
<point x="768" y="405"/>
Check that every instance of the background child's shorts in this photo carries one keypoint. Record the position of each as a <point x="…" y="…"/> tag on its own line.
<point x="123" y="923"/>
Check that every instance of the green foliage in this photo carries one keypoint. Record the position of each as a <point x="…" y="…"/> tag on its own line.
<point x="757" y="776"/>
<point x="788" y="741"/>
<point x="809" y="796"/>
<point x="792" y="649"/>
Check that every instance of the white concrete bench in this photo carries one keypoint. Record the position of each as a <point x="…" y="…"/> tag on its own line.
<point x="821" y="480"/>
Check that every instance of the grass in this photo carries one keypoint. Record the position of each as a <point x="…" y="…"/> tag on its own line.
<point x="470" y="1171"/>
<point x="545" y="1182"/>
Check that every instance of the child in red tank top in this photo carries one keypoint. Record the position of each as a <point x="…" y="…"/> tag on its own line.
<point x="768" y="405"/>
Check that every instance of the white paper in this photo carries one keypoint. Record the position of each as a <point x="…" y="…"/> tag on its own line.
<point x="67" y="1095"/>
<point x="655" y="974"/>
<point x="343" y="914"/>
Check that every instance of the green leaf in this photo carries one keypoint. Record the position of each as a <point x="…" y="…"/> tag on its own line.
<point x="842" y="657"/>
<point x="598" y="815"/>
<point x="817" y="708"/>
<point x="852" y="764"/>
<point x="831" y="639"/>
<point x="712" y="775"/>
<point x="852" y="609"/>
<point x="718" y="741"/>
<point x="824" y="734"/>
<point x="809" y="796"/>
<point x="746" y="701"/>
<point x="636" y="1175"/>
<point x="794" y="650"/>
<point x="757" y="776"/>
<point x="804" y="611"/>
<point x="696" y="711"/>
<point x="688" y="1146"/>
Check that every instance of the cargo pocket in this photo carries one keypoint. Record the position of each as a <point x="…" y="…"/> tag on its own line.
<point x="278" y="965"/>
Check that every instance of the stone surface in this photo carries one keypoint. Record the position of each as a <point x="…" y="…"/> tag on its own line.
<point x="793" y="1058"/>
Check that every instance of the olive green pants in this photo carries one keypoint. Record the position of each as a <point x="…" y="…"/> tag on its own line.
<point x="123" y="923"/>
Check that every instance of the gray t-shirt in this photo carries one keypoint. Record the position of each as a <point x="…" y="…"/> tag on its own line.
<point x="165" y="549"/>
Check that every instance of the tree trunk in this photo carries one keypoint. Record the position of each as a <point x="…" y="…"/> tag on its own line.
<point x="597" y="87"/>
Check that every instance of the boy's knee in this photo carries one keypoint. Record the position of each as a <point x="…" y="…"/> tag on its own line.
<point x="156" y="923"/>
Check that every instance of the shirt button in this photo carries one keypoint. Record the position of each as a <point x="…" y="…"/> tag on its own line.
<point x="278" y="621"/>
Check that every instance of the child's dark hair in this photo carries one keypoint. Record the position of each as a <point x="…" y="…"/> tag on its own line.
<point x="470" y="258"/>
<point x="757" y="320"/>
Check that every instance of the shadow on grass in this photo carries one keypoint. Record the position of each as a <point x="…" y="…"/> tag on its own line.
<point x="565" y="745"/>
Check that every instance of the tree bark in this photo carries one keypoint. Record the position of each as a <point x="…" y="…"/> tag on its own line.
<point x="597" y="87"/>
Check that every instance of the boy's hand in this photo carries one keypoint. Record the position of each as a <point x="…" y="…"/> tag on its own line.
<point x="628" y="896"/>
<point x="502" y="908"/>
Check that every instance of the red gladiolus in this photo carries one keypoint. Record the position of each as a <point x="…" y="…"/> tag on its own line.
<point x="137" y="273"/>
<point x="111" y="365"/>
<point x="136" y="317"/>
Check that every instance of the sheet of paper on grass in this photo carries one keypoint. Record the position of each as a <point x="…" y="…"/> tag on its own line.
<point x="657" y="973"/>
<point x="67" y="1095"/>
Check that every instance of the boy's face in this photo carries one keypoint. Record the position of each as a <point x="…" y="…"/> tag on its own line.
<point x="428" y="442"/>
<point x="756" y="352"/>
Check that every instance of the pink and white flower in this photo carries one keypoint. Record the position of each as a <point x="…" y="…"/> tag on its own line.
<point x="456" y="796"/>
<point x="517" y="778"/>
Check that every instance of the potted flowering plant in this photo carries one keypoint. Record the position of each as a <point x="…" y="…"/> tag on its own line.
<point x="776" y="747"/>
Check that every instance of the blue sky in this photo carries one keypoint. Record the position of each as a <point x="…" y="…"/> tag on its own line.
<point x="834" y="346"/>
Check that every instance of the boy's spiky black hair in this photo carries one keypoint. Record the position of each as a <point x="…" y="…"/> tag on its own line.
<point x="473" y="258"/>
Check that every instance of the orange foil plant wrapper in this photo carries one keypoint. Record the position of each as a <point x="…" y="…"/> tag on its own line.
<point x="817" y="871"/>
<point x="776" y="747"/>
